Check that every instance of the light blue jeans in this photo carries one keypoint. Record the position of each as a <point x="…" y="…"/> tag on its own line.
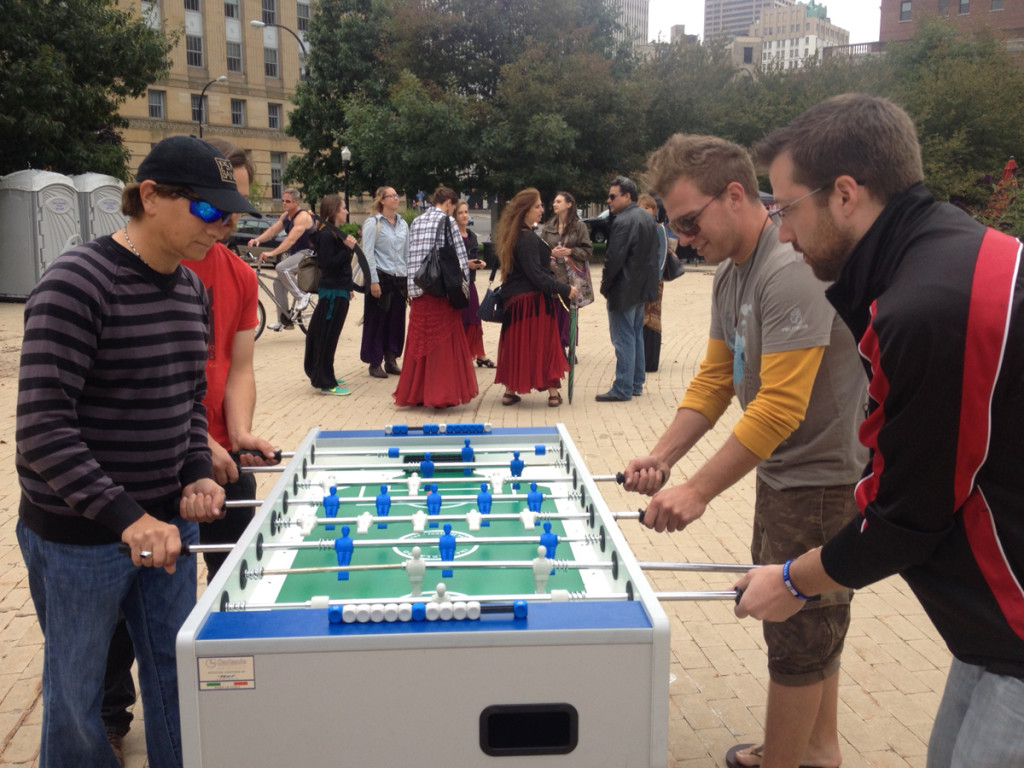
<point x="626" y="328"/>
<point x="77" y="592"/>
<point x="980" y="723"/>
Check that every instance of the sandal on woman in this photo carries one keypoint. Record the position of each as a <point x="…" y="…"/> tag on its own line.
<point x="484" y="362"/>
<point x="509" y="399"/>
<point x="555" y="400"/>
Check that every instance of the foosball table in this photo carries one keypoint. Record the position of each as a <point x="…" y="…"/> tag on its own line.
<point x="434" y="596"/>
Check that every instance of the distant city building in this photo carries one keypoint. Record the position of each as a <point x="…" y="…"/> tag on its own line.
<point x="250" y="107"/>
<point x="677" y="34"/>
<point x="633" y="16"/>
<point x="791" y="35"/>
<point x="900" y="18"/>
<point x="733" y="18"/>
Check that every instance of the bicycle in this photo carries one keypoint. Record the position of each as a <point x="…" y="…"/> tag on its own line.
<point x="300" y="317"/>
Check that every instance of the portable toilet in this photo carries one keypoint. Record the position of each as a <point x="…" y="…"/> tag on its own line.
<point x="99" y="204"/>
<point x="40" y="220"/>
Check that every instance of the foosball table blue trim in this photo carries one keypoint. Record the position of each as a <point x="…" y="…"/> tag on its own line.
<point x="308" y="622"/>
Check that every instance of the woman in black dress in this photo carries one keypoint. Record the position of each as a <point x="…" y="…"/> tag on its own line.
<point x="334" y="255"/>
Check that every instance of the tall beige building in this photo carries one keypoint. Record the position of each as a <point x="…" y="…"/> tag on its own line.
<point x="260" y="68"/>
<point x="633" y="16"/>
<point x="734" y="18"/>
<point x="791" y="35"/>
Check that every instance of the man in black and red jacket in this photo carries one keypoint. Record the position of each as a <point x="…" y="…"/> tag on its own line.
<point x="934" y="299"/>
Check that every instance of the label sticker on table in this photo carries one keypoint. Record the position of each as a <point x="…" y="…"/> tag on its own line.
<point x="226" y="673"/>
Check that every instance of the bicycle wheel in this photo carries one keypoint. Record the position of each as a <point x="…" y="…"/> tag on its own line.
<point x="306" y="315"/>
<point x="261" y="318"/>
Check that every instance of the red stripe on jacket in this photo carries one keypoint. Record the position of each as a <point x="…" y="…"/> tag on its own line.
<point x="878" y="390"/>
<point x="988" y="319"/>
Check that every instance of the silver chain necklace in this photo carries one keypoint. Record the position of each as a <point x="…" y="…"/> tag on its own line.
<point x="132" y="245"/>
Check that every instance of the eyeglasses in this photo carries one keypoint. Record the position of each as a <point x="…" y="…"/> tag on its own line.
<point x="206" y="212"/>
<point x="688" y="227"/>
<point x="613" y="195"/>
<point x="393" y="194"/>
<point x="778" y="215"/>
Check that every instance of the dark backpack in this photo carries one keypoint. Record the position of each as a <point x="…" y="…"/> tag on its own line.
<point x="441" y="274"/>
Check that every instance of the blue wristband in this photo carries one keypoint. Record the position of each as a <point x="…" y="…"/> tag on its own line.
<point x="789" y="584"/>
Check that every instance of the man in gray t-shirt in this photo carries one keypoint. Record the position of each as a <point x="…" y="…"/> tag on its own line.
<point x="777" y="345"/>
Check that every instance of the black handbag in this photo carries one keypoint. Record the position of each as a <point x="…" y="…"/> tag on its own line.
<point x="441" y="273"/>
<point x="673" y="266"/>
<point x="492" y="307"/>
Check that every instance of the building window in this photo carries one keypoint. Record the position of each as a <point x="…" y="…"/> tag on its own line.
<point x="151" y="13"/>
<point x="234" y="51"/>
<point x="997" y="5"/>
<point x="276" y="174"/>
<point x="270" y="11"/>
<point x="274" y="117"/>
<point x="943" y="6"/>
<point x="238" y="112"/>
<point x="905" y="10"/>
<point x="192" y="5"/>
<point x="194" y="50"/>
<point x="302" y="17"/>
<point x="156" y="104"/>
<point x="748" y="55"/>
<point x="198" y="108"/>
<point x="231" y="9"/>
<point x="965" y="6"/>
<point x="270" y="62"/>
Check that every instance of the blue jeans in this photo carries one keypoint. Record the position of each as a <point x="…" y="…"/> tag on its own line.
<point x="626" y="327"/>
<point x="78" y="592"/>
<point x="979" y="723"/>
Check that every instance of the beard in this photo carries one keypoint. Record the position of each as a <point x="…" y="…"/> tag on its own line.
<point x="831" y="246"/>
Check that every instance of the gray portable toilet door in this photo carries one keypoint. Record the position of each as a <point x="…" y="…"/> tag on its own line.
<point x="58" y="222"/>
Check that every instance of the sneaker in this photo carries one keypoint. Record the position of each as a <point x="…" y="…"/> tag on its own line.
<point x="302" y="302"/>
<point x="335" y="391"/>
<point x="340" y="381"/>
<point x="116" y="744"/>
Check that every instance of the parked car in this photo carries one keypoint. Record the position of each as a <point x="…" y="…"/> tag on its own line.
<point x="250" y="227"/>
<point x="598" y="226"/>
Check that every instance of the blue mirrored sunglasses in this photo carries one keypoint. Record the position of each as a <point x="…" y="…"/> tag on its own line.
<point x="206" y="212"/>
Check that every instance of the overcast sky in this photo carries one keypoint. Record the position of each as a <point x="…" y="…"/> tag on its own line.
<point x="860" y="17"/>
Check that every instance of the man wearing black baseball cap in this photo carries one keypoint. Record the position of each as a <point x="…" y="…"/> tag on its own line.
<point x="112" y="447"/>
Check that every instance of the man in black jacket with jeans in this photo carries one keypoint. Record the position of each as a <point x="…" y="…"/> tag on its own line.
<point x="629" y="279"/>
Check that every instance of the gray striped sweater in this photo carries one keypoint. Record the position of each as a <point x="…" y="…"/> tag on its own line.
<point x="110" y="420"/>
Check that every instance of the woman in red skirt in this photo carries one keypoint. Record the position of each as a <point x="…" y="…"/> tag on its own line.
<point x="530" y="355"/>
<point x="437" y="369"/>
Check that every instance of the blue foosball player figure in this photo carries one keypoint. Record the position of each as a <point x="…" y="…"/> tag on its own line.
<point x="343" y="548"/>
<point x="446" y="543"/>
<point x="426" y="466"/>
<point x="534" y="498"/>
<point x="383" y="505"/>
<point x="483" y="503"/>
<point x="549" y="541"/>
<point x="468" y="457"/>
<point x="433" y="504"/>
<point x="331" y="504"/>
<point x="515" y="468"/>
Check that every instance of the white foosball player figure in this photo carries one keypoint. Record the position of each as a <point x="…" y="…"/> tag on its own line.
<point x="542" y="566"/>
<point x="415" y="569"/>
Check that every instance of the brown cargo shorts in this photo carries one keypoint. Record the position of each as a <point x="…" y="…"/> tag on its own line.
<point x="805" y="648"/>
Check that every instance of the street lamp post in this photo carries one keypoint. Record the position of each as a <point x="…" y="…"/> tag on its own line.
<point x="255" y="24"/>
<point x="346" y="158"/>
<point x="202" y="101"/>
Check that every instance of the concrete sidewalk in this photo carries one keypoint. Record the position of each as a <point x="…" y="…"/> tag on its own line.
<point x="894" y="666"/>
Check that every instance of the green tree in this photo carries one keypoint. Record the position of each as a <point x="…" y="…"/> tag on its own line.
<point x="961" y="92"/>
<point x="66" y="66"/>
<point x="344" y="38"/>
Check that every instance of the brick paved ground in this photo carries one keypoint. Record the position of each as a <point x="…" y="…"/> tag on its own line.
<point x="894" y="666"/>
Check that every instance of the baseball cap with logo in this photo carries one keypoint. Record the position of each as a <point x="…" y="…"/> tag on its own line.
<point x="186" y="161"/>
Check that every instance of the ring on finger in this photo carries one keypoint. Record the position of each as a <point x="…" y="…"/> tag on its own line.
<point x="144" y="554"/>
